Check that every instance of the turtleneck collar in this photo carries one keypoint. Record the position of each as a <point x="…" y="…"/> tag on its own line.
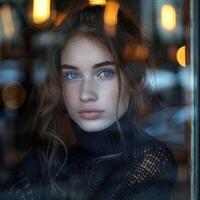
<point x="103" y="143"/>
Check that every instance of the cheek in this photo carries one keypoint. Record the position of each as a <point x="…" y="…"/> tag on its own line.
<point x="109" y="95"/>
<point x="114" y="93"/>
<point x="109" y="90"/>
<point x="69" y="95"/>
<point x="124" y="99"/>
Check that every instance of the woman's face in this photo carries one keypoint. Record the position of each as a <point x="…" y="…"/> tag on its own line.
<point x="90" y="85"/>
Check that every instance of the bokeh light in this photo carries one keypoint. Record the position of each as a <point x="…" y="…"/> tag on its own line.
<point x="7" y="21"/>
<point x="111" y="12"/>
<point x="135" y="52"/>
<point x="180" y="55"/>
<point x="41" y="11"/>
<point x="168" y="17"/>
<point x="110" y="17"/>
<point x="97" y="2"/>
<point x="13" y="95"/>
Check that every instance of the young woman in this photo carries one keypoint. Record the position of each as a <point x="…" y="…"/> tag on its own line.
<point x="88" y="146"/>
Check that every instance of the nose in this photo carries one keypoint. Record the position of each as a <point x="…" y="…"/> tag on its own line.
<point x="88" y="91"/>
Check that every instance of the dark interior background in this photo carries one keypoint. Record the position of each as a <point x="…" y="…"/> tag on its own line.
<point x="166" y="111"/>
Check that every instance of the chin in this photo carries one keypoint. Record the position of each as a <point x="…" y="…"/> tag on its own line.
<point x="94" y="126"/>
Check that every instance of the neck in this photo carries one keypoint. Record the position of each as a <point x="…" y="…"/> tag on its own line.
<point x="106" y="142"/>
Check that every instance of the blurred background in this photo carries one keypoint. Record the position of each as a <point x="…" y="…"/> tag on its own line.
<point x="25" y="31"/>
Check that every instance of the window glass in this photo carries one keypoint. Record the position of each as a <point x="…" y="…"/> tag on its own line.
<point x="60" y="79"/>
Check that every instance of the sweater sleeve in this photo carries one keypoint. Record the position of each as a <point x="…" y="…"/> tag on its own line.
<point x="151" y="175"/>
<point x="18" y="187"/>
<point x="23" y="182"/>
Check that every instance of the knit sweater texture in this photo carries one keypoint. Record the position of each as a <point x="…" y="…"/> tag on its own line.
<point x="105" y="165"/>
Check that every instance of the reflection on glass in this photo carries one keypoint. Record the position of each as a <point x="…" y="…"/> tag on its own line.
<point x="165" y="115"/>
<point x="168" y="17"/>
<point x="13" y="95"/>
<point x="110" y="14"/>
<point x="110" y="17"/>
<point x="7" y="21"/>
<point x="41" y="11"/>
<point x="97" y="2"/>
<point x="181" y="56"/>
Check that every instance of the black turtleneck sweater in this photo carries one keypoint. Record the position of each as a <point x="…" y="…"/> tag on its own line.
<point x="104" y="165"/>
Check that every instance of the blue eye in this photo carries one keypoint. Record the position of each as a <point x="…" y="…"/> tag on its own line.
<point x="72" y="75"/>
<point x="106" y="74"/>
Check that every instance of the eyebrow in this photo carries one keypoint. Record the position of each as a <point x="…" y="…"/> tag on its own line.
<point x="97" y="65"/>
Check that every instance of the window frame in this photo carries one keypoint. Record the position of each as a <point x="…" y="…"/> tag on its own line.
<point x="195" y="137"/>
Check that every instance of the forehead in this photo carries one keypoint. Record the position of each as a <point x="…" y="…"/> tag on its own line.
<point x="82" y="51"/>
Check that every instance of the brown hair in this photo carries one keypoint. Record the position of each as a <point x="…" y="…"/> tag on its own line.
<point x="87" y="21"/>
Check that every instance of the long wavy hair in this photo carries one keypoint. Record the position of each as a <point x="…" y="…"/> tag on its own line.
<point x="52" y="122"/>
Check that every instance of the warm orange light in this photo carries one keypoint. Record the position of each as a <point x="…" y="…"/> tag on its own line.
<point x="111" y="12"/>
<point x="13" y="95"/>
<point x="97" y="2"/>
<point x="168" y="17"/>
<point x="135" y="52"/>
<point x="7" y="21"/>
<point x="41" y="11"/>
<point x="141" y="53"/>
<point x="60" y="17"/>
<point x="180" y="56"/>
<point x="110" y="17"/>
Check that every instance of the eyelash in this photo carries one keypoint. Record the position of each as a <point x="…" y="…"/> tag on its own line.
<point x="101" y="74"/>
<point x="68" y="74"/>
<point x="110" y="75"/>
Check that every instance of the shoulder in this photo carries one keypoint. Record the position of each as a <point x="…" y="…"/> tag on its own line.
<point x="24" y="178"/>
<point x="152" y="170"/>
<point x="154" y="155"/>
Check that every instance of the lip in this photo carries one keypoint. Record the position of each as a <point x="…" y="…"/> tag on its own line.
<point x="90" y="114"/>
